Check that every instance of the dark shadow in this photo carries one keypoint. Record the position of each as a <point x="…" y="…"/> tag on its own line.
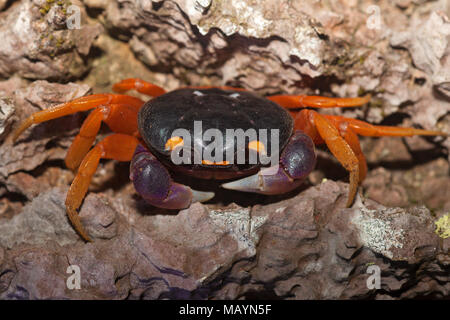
<point x="8" y="4"/>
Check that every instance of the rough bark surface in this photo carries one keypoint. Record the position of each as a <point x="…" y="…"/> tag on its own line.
<point x="304" y="245"/>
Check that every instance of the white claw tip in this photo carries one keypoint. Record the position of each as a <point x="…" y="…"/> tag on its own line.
<point x="248" y="184"/>
<point x="200" y="196"/>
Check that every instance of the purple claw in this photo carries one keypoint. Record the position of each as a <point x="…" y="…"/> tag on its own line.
<point x="153" y="182"/>
<point x="299" y="156"/>
<point x="296" y="162"/>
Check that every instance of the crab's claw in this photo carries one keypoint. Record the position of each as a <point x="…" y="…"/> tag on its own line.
<point x="296" y="162"/>
<point x="277" y="183"/>
<point x="153" y="182"/>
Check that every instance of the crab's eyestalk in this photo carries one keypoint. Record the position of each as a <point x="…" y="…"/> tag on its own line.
<point x="297" y="160"/>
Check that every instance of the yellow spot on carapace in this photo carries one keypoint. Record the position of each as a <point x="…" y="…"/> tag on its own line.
<point x="174" y="142"/>
<point x="258" y="146"/>
<point x="210" y="163"/>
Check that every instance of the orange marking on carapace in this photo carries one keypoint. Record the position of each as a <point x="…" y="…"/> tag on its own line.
<point x="258" y="146"/>
<point x="212" y="163"/>
<point x="174" y="142"/>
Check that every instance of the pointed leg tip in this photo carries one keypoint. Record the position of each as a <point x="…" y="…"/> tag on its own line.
<point x="351" y="198"/>
<point x="85" y="236"/>
<point x="76" y="222"/>
<point x="81" y="231"/>
<point x="17" y="132"/>
<point x="349" y="203"/>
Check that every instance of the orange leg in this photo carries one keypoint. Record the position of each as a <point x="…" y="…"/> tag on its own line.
<point x="304" y="121"/>
<point x="77" y="105"/>
<point x="116" y="146"/>
<point x="339" y="147"/>
<point x="349" y="128"/>
<point x="301" y="101"/>
<point x="349" y="135"/>
<point x="353" y="141"/>
<point x="340" y="135"/>
<point x="140" y="86"/>
<point x="365" y="129"/>
<point x="120" y="118"/>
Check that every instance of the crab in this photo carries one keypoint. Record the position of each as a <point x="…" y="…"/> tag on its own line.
<point x="143" y="135"/>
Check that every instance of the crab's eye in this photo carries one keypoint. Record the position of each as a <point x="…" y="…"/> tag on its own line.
<point x="257" y="146"/>
<point x="174" y="142"/>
